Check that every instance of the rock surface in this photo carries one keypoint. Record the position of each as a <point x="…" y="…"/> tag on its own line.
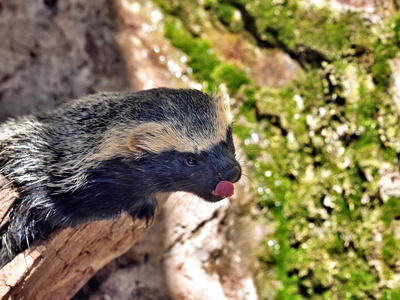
<point x="53" y="53"/>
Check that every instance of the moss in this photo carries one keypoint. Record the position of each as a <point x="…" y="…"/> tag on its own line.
<point x="229" y="16"/>
<point x="168" y="6"/>
<point x="225" y="13"/>
<point x="391" y="211"/>
<point x="201" y="58"/>
<point x="391" y="294"/>
<point x="356" y="279"/>
<point x="391" y="250"/>
<point x="287" y="24"/>
<point x="381" y="70"/>
<point x="386" y="47"/>
<point x="317" y="144"/>
<point x="336" y="245"/>
<point x="248" y="103"/>
<point x="230" y="75"/>
<point x="208" y="4"/>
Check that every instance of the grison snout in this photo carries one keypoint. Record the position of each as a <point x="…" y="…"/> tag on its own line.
<point x="231" y="174"/>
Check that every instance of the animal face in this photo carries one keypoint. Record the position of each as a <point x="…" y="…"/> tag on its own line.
<point x="197" y="173"/>
<point x="207" y="169"/>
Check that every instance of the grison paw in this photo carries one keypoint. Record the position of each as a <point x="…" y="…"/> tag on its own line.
<point x="145" y="211"/>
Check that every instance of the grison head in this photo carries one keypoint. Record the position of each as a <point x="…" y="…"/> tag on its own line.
<point x="191" y="148"/>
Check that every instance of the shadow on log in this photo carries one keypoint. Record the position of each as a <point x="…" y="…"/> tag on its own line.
<point x="58" y="267"/>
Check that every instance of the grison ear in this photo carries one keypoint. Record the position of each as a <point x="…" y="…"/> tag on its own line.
<point x="223" y="108"/>
<point x="154" y="138"/>
<point x="141" y="138"/>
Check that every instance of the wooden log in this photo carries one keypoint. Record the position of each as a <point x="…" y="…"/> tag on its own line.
<point x="58" y="267"/>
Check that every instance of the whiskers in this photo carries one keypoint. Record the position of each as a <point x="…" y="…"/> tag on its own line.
<point x="180" y="198"/>
<point x="199" y="201"/>
<point x="189" y="202"/>
<point x="245" y="178"/>
<point x="239" y="156"/>
<point x="247" y="165"/>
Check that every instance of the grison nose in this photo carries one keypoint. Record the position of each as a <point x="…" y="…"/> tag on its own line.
<point x="233" y="174"/>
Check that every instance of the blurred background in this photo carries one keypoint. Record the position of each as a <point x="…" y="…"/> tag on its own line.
<point x="315" y="91"/>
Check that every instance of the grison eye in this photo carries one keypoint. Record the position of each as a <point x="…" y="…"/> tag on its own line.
<point x="191" y="162"/>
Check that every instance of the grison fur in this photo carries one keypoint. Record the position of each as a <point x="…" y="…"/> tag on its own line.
<point x="109" y="153"/>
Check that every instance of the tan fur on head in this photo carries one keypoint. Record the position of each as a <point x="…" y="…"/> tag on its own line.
<point x="156" y="137"/>
<point x="223" y="111"/>
<point x="159" y="137"/>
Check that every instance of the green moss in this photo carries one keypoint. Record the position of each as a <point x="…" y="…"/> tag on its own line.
<point x="356" y="279"/>
<point x="391" y="210"/>
<point x="391" y="250"/>
<point x="335" y="245"/>
<point x="210" y="3"/>
<point x="204" y="62"/>
<point x="168" y="6"/>
<point x="248" y="103"/>
<point x="289" y="25"/>
<point x="386" y="47"/>
<point x="317" y="145"/>
<point x="391" y="294"/>
<point x="201" y="58"/>
<point x="229" y="16"/>
<point x="381" y="70"/>
<point x="231" y="76"/>
<point x="225" y="13"/>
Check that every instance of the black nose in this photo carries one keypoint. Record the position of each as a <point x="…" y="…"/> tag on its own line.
<point x="233" y="174"/>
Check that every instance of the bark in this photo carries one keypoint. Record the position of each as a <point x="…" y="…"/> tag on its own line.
<point x="58" y="267"/>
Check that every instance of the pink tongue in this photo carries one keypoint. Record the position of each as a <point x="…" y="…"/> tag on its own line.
<point x="224" y="189"/>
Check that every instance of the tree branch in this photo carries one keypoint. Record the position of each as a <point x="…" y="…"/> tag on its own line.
<point x="58" y="267"/>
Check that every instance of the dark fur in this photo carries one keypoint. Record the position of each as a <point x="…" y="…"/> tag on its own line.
<point x="65" y="174"/>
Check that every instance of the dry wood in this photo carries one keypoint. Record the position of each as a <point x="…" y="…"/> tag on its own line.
<point x="59" y="267"/>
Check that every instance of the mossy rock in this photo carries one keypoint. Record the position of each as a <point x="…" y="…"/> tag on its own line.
<point x="317" y="144"/>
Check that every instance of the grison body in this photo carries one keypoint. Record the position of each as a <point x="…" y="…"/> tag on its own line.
<point x="108" y="153"/>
